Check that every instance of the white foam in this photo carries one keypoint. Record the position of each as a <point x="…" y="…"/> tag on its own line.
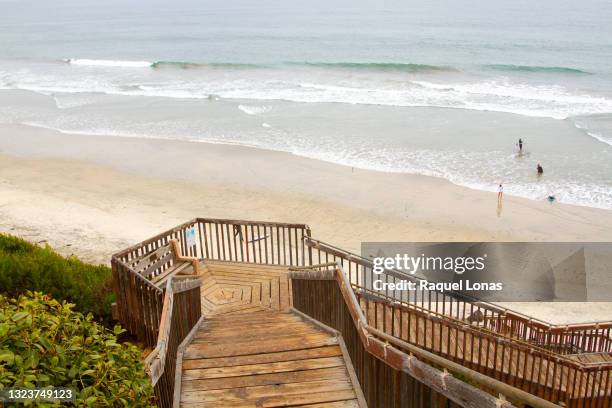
<point x="254" y="110"/>
<point x="108" y="63"/>
<point x="596" y="136"/>
<point x="600" y="137"/>
<point x="498" y="95"/>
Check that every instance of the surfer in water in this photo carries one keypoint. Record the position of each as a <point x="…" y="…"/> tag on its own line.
<point x="540" y="169"/>
<point x="520" y="145"/>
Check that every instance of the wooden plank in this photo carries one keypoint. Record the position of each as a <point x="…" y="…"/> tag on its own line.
<point x="237" y="349"/>
<point x="294" y="355"/>
<point x="256" y="317"/>
<point x="241" y="273"/>
<point x="252" y="321"/>
<point x="253" y="308"/>
<point x="254" y="393"/>
<point x="265" y="379"/>
<point x="283" y="400"/>
<point x="282" y="327"/>
<point x="263" y="368"/>
<point x="246" y="323"/>
<point x="174" y="269"/>
<point x="259" y="335"/>
<point x="229" y="264"/>
<point x="338" y="404"/>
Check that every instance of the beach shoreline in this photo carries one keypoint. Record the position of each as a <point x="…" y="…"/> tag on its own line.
<point x="428" y="208"/>
<point x="93" y="195"/>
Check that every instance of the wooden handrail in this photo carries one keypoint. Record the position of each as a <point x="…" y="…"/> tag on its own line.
<point x="316" y="243"/>
<point x="151" y="240"/>
<point x="174" y="326"/>
<point x="589" y="337"/>
<point x="382" y="345"/>
<point x="250" y="222"/>
<point x="517" y="342"/>
<point x="156" y="360"/>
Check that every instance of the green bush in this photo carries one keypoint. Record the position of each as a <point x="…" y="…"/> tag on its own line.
<point x="25" y="266"/>
<point x="44" y="343"/>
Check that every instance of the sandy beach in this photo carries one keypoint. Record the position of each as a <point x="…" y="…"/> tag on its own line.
<point x="92" y="195"/>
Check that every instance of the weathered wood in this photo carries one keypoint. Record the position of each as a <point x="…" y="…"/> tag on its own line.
<point x="351" y="324"/>
<point x="262" y="368"/>
<point x="345" y="355"/>
<point x="292" y="355"/>
<point x="246" y="348"/>
<point x="258" y="392"/>
<point x="264" y="359"/>
<point x="176" y="398"/>
<point x="239" y="288"/>
<point x="559" y="363"/>
<point x="181" y="312"/>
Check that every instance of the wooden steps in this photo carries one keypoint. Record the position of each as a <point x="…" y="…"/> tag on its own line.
<point x="250" y="351"/>
<point x="231" y="287"/>
<point x="264" y="359"/>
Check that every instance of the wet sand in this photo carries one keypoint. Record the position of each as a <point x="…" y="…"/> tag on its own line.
<point x="93" y="195"/>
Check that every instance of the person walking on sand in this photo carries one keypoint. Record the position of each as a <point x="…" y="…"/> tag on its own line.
<point x="540" y="169"/>
<point x="500" y="193"/>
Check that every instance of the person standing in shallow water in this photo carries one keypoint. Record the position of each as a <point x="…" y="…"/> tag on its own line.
<point x="520" y="145"/>
<point x="540" y="169"/>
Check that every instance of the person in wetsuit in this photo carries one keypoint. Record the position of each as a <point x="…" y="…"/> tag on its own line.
<point x="540" y="169"/>
<point x="520" y="144"/>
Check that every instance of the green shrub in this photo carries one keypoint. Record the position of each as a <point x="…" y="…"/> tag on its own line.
<point x="45" y="343"/>
<point x="25" y="266"/>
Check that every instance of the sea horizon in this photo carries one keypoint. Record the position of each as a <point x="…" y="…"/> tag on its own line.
<point x="437" y="90"/>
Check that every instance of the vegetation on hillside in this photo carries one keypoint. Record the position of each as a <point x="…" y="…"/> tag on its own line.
<point x="25" y="266"/>
<point x="46" y="343"/>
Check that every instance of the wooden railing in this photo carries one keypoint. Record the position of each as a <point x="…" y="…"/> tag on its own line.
<point x="504" y="334"/>
<point x="139" y="302"/>
<point x="253" y="241"/>
<point x="440" y="323"/>
<point x="561" y="339"/>
<point x="180" y="313"/>
<point x="389" y="377"/>
<point x="538" y="371"/>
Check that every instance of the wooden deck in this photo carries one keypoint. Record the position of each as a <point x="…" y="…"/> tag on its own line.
<point x="166" y="307"/>
<point x="231" y="287"/>
<point x="251" y="351"/>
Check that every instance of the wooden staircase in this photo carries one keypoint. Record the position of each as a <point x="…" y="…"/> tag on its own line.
<point x="252" y="350"/>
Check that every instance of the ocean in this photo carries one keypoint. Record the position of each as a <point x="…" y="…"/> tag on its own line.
<point x="440" y="88"/>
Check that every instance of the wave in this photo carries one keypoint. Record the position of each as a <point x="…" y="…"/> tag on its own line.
<point x="366" y="66"/>
<point x="109" y="63"/>
<point x="191" y="65"/>
<point x="596" y="136"/>
<point x="536" y="69"/>
<point x="253" y="88"/>
<point x="356" y="66"/>
<point x="377" y="66"/>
